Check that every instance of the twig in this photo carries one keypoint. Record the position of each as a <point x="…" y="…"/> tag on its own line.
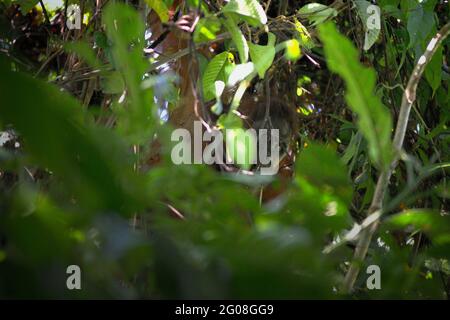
<point x="52" y="56"/>
<point x="267" y="5"/>
<point x="267" y="111"/>
<point x="44" y="11"/>
<point x="409" y="96"/>
<point x="179" y="54"/>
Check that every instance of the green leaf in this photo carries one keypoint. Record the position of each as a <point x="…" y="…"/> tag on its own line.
<point x="219" y="86"/>
<point x="241" y="147"/>
<point x="322" y="168"/>
<point x="215" y="71"/>
<point x="324" y="191"/>
<point x="125" y="30"/>
<point x="367" y="18"/>
<point x="433" y="71"/>
<point x="420" y="23"/>
<point x="206" y="29"/>
<point x="160" y="8"/>
<point x="317" y="13"/>
<point x="85" y="51"/>
<point x="262" y="56"/>
<point x="374" y="119"/>
<point x="56" y="137"/>
<point x="430" y="222"/>
<point x="352" y="148"/>
<point x="237" y="37"/>
<point x="112" y="83"/>
<point x="303" y="35"/>
<point x="241" y="144"/>
<point x="250" y="11"/>
<point x="240" y="72"/>
<point x="27" y="5"/>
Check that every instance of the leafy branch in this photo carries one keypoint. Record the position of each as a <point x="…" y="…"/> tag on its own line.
<point x="409" y="96"/>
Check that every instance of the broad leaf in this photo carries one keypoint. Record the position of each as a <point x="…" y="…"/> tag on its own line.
<point x="240" y="72"/>
<point x="420" y="22"/>
<point x="160" y="8"/>
<point x="125" y="31"/>
<point x="432" y="223"/>
<point x="262" y="56"/>
<point x="317" y="13"/>
<point x="250" y="11"/>
<point x="370" y="17"/>
<point x="207" y="29"/>
<point x="241" y="144"/>
<point x="374" y="120"/>
<point x="237" y="37"/>
<point x="215" y="71"/>
<point x="56" y="136"/>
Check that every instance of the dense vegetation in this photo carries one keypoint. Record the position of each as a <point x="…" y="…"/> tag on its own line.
<point x="87" y="179"/>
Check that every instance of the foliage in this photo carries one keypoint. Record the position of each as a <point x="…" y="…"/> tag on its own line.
<point x="82" y="117"/>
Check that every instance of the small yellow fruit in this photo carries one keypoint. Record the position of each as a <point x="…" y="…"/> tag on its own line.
<point x="292" y="51"/>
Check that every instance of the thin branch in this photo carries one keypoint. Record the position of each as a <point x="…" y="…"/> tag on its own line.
<point x="44" y="11"/>
<point x="409" y="96"/>
<point x="179" y="54"/>
<point x="267" y="111"/>
<point x="197" y="89"/>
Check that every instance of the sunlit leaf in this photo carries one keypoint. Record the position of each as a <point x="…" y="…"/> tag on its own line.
<point x="160" y="8"/>
<point x="250" y="10"/>
<point x="206" y="29"/>
<point x="214" y="72"/>
<point x="240" y="72"/>
<point x="237" y="37"/>
<point x="262" y="56"/>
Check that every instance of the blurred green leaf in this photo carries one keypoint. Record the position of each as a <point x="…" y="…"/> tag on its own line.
<point x="429" y="222"/>
<point x="84" y="51"/>
<point x="26" y="5"/>
<point x="125" y="30"/>
<point x="207" y="29"/>
<point x="56" y="136"/>
<point x="374" y="120"/>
